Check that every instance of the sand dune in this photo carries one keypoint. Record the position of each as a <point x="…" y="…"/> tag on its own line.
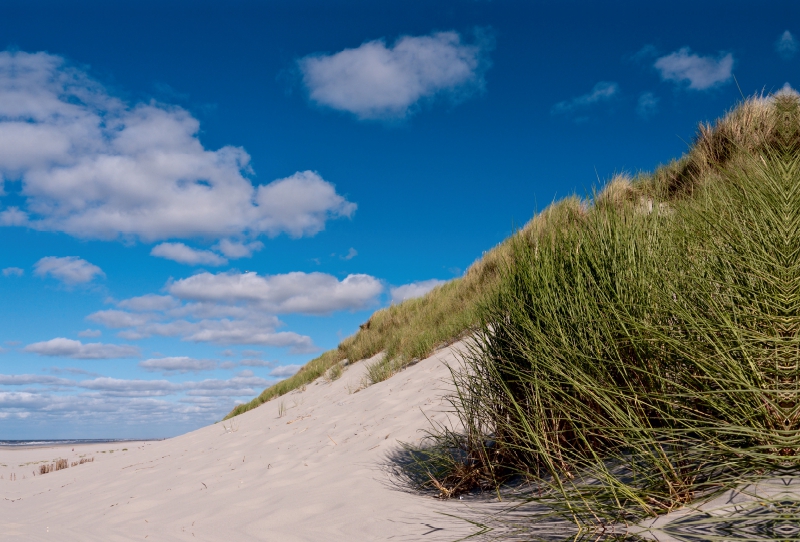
<point x="317" y="473"/>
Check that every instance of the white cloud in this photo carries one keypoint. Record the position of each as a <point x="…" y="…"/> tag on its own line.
<point x="69" y="348"/>
<point x="299" y="205"/>
<point x="256" y="363"/>
<point x="601" y="92"/>
<point x="374" y="81"/>
<point x="216" y="323"/>
<point x="239" y="308"/>
<point x="297" y="292"/>
<point x="69" y="269"/>
<point x="116" y="319"/>
<point x="786" y="45"/>
<point x="352" y="253"/>
<point x="27" y="380"/>
<point x="13" y="216"/>
<point x="150" y="302"/>
<point x="180" y="364"/>
<point x="647" y="105"/>
<point x="414" y="289"/>
<point x="178" y="252"/>
<point x="284" y="371"/>
<point x="701" y="72"/>
<point x="235" y="250"/>
<point x="13" y="272"/>
<point x="90" y="333"/>
<point x="94" y="166"/>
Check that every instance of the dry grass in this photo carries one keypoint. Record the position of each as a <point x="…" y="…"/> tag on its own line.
<point x="59" y="464"/>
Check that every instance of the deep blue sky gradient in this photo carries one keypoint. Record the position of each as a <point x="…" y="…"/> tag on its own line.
<point x="434" y="190"/>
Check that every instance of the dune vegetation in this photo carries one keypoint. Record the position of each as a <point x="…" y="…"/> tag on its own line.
<point x="643" y="350"/>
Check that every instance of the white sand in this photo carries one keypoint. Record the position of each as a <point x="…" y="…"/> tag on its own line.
<point x="317" y="473"/>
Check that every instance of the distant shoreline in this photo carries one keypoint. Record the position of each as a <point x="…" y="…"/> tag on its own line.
<point x="43" y="443"/>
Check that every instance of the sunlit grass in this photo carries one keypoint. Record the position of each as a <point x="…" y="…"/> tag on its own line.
<point x="649" y="353"/>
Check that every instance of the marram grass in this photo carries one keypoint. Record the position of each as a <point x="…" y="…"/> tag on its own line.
<point x="646" y="353"/>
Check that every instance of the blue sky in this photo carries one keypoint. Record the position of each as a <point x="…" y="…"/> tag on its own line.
<point x="198" y="197"/>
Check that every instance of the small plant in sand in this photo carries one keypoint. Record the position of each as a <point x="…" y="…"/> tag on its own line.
<point x="334" y="373"/>
<point x="59" y="464"/>
<point x="282" y="409"/>
<point x="232" y="427"/>
<point x="385" y="368"/>
<point x="82" y="461"/>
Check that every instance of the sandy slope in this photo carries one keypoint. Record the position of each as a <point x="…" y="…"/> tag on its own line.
<point x="317" y="473"/>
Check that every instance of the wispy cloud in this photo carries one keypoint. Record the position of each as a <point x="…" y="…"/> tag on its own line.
<point x="647" y="105"/>
<point x="601" y="92"/>
<point x="69" y="269"/>
<point x="235" y="250"/>
<point x="700" y="72"/>
<point x="178" y="252"/>
<point x="180" y="364"/>
<point x="95" y="166"/>
<point x="786" y="45"/>
<point x="13" y="272"/>
<point x="414" y="289"/>
<point x="90" y="333"/>
<point x="68" y="348"/>
<point x="285" y="371"/>
<point x="376" y="81"/>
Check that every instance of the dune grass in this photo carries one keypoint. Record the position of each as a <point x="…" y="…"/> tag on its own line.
<point x="649" y="353"/>
<point x="412" y="330"/>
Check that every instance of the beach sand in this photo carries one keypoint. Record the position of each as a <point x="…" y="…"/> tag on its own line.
<point x="318" y="473"/>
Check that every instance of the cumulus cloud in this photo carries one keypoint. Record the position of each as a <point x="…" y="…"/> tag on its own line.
<point x="239" y="308"/>
<point x="13" y="272"/>
<point x="90" y="333"/>
<point x="217" y="323"/>
<point x="68" y="348"/>
<point x="700" y="72"/>
<point x="178" y="252"/>
<point x="414" y="289"/>
<point x="94" y="166"/>
<point x="601" y="92"/>
<point x="149" y="302"/>
<point x="180" y="364"/>
<point x="297" y="292"/>
<point x="69" y="269"/>
<point x="786" y="45"/>
<point x="299" y="205"/>
<point x="284" y="371"/>
<point x="235" y="250"/>
<point x="374" y="81"/>
<point x="647" y="105"/>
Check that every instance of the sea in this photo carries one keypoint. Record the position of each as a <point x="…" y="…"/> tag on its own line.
<point x="68" y="442"/>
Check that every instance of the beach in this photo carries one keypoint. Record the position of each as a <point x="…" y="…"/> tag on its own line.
<point x="314" y="464"/>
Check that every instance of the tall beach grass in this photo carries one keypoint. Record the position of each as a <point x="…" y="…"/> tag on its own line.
<point x="646" y="353"/>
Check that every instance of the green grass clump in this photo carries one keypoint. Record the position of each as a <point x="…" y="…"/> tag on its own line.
<point x="649" y="353"/>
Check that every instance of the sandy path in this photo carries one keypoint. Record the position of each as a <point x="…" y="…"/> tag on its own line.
<point x="314" y="474"/>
